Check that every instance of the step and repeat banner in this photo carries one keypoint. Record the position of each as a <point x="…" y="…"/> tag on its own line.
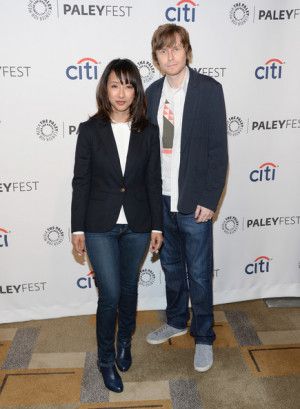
<point x="53" y="53"/>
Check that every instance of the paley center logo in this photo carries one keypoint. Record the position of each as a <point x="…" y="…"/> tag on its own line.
<point x="40" y="9"/>
<point x="86" y="282"/>
<point x="239" y="14"/>
<point x="266" y="172"/>
<point x="54" y="235"/>
<point x="86" y="68"/>
<point x="147" y="277"/>
<point x="230" y="225"/>
<point x="146" y="70"/>
<point x="271" y="70"/>
<point x="3" y="238"/>
<point x="235" y="125"/>
<point x="47" y="130"/>
<point x="184" y="11"/>
<point x="259" y="265"/>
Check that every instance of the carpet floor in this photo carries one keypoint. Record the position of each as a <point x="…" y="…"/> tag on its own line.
<point x="52" y="364"/>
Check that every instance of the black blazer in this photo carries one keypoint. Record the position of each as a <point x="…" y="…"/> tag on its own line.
<point x="203" y="160"/>
<point x="99" y="187"/>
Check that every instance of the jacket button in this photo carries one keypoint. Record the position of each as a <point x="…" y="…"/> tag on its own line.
<point x="122" y="189"/>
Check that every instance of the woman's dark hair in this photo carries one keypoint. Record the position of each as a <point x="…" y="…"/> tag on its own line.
<point x="126" y="71"/>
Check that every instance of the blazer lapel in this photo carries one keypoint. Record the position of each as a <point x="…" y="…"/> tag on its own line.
<point x="109" y="141"/>
<point x="131" y="154"/>
<point x="193" y="99"/>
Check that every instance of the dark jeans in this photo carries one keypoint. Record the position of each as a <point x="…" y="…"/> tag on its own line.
<point x="187" y="259"/>
<point x="115" y="256"/>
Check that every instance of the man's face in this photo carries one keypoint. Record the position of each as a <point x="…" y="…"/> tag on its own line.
<point x="172" y="60"/>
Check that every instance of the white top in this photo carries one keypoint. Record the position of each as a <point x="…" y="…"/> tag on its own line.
<point x="121" y="131"/>
<point x="170" y="162"/>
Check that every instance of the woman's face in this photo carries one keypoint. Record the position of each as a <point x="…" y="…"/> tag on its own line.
<point x="120" y="97"/>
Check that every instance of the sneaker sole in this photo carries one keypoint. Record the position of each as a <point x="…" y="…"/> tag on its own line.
<point x="203" y="369"/>
<point x="161" y="341"/>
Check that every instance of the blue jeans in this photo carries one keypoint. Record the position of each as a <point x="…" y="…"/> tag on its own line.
<point x="187" y="259"/>
<point x="115" y="256"/>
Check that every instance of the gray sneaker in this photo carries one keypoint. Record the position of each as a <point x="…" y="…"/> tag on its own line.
<point x="203" y="359"/>
<point x="164" y="333"/>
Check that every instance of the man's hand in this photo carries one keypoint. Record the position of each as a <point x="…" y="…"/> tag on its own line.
<point x="202" y="214"/>
<point x="78" y="242"/>
<point x="156" y="241"/>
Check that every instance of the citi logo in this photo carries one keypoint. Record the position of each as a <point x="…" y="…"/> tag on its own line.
<point x="86" y="68"/>
<point x="259" y="265"/>
<point x="272" y="69"/>
<point x="266" y="172"/>
<point x="185" y="13"/>
<point x="86" y="282"/>
<point x="3" y="238"/>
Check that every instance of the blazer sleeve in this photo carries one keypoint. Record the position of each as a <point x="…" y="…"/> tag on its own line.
<point x="217" y="150"/>
<point x="154" y="183"/>
<point x="82" y="179"/>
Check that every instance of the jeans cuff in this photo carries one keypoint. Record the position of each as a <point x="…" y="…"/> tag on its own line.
<point x="104" y="363"/>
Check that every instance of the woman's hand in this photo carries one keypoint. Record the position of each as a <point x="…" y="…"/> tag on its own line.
<point x="156" y="241"/>
<point x="78" y="241"/>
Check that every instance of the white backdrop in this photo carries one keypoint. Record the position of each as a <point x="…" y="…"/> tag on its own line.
<point x="53" y="53"/>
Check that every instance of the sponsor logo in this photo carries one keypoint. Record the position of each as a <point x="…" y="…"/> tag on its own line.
<point x="40" y="9"/>
<point x="275" y="124"/>
<point x="3" y="238"/>
<point x="47" y="130"/>
<point x="239" y="14"/>
<point x="273" y="221"/>
<point x="146" y="70"/>
<point x="147" y="277"/>
<point x="230" y="225"/>
<point x="86" y="282"/>
<point x="185" y="11"/>
<point x="12" y="187"/>
<point x="54" y="236"/>
<point x="259" y="265"/>
<point x="266" y="172"/>
<point x="96" y="10"/>
<point x="22" y="288"/>
<point x="14" y="71"/>
<point x="271" y="70"/>
<point x="214" y="72"/>
<point x="276" y="15"/>
<point x="235" y="125"/>
<point x="86" y="68"/>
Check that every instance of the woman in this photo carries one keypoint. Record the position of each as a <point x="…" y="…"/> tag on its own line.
<point x="116" y="203"/>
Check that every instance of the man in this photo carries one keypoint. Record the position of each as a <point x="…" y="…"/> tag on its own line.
<point x="190" y="111"/>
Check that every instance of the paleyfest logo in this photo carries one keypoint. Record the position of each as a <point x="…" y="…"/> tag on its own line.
<point x="86" y="68"/>
<point x="184" y="11"/>
<point x="40" y="9"/>
<point x="259" y="265"/>
<point x="271" y="70"/>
